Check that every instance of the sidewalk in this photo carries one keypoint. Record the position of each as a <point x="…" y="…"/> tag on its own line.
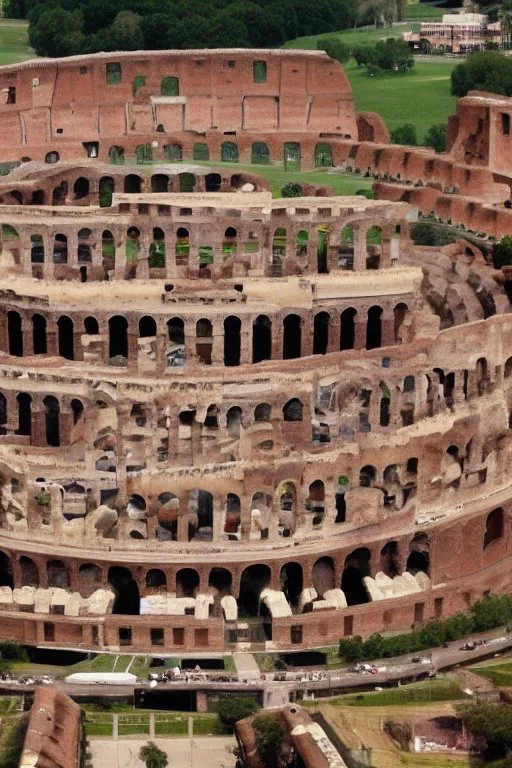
<point x="246" y="667"/>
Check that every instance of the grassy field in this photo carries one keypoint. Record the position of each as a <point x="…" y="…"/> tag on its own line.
<point x="14" y="45"/>
<point x="103" y="662"/>
<point x="499" y="672"/>
<point x="427" y="691"/>
<point x="132" y="723"/>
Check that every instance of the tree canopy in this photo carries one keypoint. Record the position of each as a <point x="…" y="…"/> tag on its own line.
<point x="483" y="71"/>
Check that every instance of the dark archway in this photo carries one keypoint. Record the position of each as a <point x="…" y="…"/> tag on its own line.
<point x="419" y="557"/>
<point x="29" y="572"/>
<point x="374" y="328"/>
<point x="132" y="184"/>
<point x="147" y="327"/>
<point x="292" y="582"/>
<point x="232" y="340"/>
<point x="390" y="559"/>
<point x="187" y="582"/>
<point x="156" y="579"/>
<point x="66" y="341"/>
<point x="57" y="574"/>
<point x="52" y="420"/>
<point x="91" y="326"/>
<point x="357" y="566"/>
<point x="106" y="190"/>
<point x="6" y="579"/>
<point x="213" y="182"/>
<point x="14" y="334"/>
<point x="160" y="183"/>
<point x="221" y="580"/>
<point x="118" y="337"/>
<point x="254" y="580"/>
<point x="493" y="526"/>
<point x="24" y="414"/>
<point x="293" y="410"/>
<point x="39" y="340"/>
<point x="127" y="597"/>
<point x="261" y="339"/>
<point x="89" y="579"/>
<point x="292" y="337"/>
<point x="80" y="188"/>
<point x="323" y="575"/>
<point x="321" y="333"/>
<point x="348" y="328"/>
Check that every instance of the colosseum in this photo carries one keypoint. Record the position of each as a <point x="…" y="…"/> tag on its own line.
<point x="228" y="420"/>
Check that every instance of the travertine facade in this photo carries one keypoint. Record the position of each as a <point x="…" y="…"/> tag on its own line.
<point x="228" y="419"/>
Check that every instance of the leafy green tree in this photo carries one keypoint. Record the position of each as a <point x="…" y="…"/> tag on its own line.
<point x="57" y="33"/>
<point x="502" y="252"/>
<point x="435" y="137"/>
<point x="292" y="189"/>
<point x="153" y="756"/>
<point x="483" y="71"/>
<point x="351" y="648"/>
<point x="490" y="722"/>
<point x="126" y="32"/>
<point x="269" y="739"/>
<point x="394" y="55"/>
<point x="234" y="708"/>
<point x="404" y="134"/>
<point x="334" y="48"/>
<point x="363" y="54"/>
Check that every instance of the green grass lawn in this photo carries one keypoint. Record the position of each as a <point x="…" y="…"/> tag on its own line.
<point x="14" y="45"/>
<point x="499" y="674"/>
<point x="426" y="691"/>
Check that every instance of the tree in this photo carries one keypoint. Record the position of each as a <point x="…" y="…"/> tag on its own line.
<point x="435" y="137"/>
<point x="394" y="55"/>
<point x="234" y="708"/>
<point x="57" y="33"/>
<point x="126" y="32"/>
<point x="483" y="71"/>
<point x="502" y="257"/>
<point x="292" y="189"/>
<point x="363" y="54"/>
<point x="269" y="738"/>
<point x="153" y="756"/>
<point x="404" y="134"/>
<point x="489" y="722"/>
<point x="334" y="48"/>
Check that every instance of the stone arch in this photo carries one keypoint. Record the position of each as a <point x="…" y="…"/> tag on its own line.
<point x="232" y="340"/>
<point x="315" y="501"/>
<point x="52" y="157"/>
<point x="229" y="152"/>
<point x="321" y="333"/>
<point x="357" y="566"/>
<point x="105" y="191"/>
<point x="233" y="518"/>
<point x="167" y="516"/>
<point x="6" y="577"/>
<point x="301" y="247"/>
<point x="261" y="339"/>
<point x="66" y="337"/>
<point x="91" y="326"/>
<point x="77" y="409"/>
<point x="126" y="590"/>
<point x="323" y="575"/>
<point x="90" y="578"/>
<point x="57" y="574"/>
<point x="60" y="249"/>
<point x="52" y="420"/>
<point x="173" y="152"/>
<point x="187" y="582"/>
<point x="200" y="507"/>
<point x="260" y="153"/>
<point x="160" y="183"/>
<point x="234" y="418"/>
<point x="132" y="184"/>
<point x="187" y="182"/>
<point x="390" y="559"/>
<point x="24" y="414"/>
<point x="147" y="327"/>
<point x="494" y="527"/>
<point x="39" y="338"/>
<point x="116" y="155"/>
<point x="213" y="182"/>
<point x="374" y="328"/>
<point x="156" y="579"/>
<point x="291" y="581"/>
<point x="346" y="248"/>
<point x="348" y="328"/>
<point x="263" y="412"/>
<point x="400" y="313"/>
<point x="81" y="188"/>
<point x="36" y="249"/>
<point x="14" y="334"/>
<point x="323" y="155"/>
<point x="367" y="476"/>
<point x="118" y="337"/>
<point x="29" y="572"/>
<point x="221" y="581"/>
<point x="143" y="154"/>
<point x="200" y="152"/>
<point x="419" y="554"/>
<point x="293" y="410"/>
<point x="373" y="247"/>
<point x="254" y="579"/>
<point x="292" y="336"/>
<point x="287" y="506"/>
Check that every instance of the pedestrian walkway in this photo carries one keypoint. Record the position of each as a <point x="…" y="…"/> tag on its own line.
<point x="246" y="667"/>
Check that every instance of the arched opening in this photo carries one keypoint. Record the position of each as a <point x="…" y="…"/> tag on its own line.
<point x="385" y="404"/>
<point x="301" y="247"/>
<point x="229" y="152"/>
<point x="323" y="156"/>
<point x="81" y="188"/>
<point x="39" y="341"/>
<point x="346" y="249"/>
<point x="213" y="182"/>
<point x="173" y="153"/>
<point x="293" y="410"/>
<point x="254" y="580"/>
<point x="260" y="153"/>
<point x="156" y="579"/>
<point x="84" y="245"/>
<point x="157" y="249"/>
<point x="374" y="328"/>
<point x="38" y="197"/>
<point x="116" y="155"/>
<point x="232" y="339"/>
<point x="367" y="476"/>
<point x="77" y="409"/>
<point x="419" y="557"/>
<point x="287" y="504"/>
<point x="57" y="574"/>
<point x="29" y="572"/>
<point x="132" y="246"/>
<point x="200" y="152"/>
<point x="292" y="583"/>
<point x="261" y="339"/>
<point x="143" y="154"/>
<point x="89" y="579"/>
<point x="390" y="559"/>
<point x="126" y="590"/>
<point x="175" y="354"/>
<point x="14" y="334"/>
<point x="147" y="327"/>
<point x="160" y="183"/>
<point x="229" y="244"/>
<point x="322" y="246"/>
<point x="321" y="333"/>
<point x="262" y="412"/>
<point x="357" y="566"/>
<point x="182" y="246"/>
<point x="24" y="414"/>
<point x="233" y="517"/>
<point x="339" y="499"/>
<point x="315" y="502"/>
<point x="59" y="194"/>
<point x="187" y="582"/>
<point x="36" y="249"/>
<point x="132" y="184"/>
<point x="105" y="192"/>
<point x="399" y="315"/>
<point x="221" y="581"/>
<point x="292" y="336"/>
<point x="323" y="575"/>
<point x="493" y="526"/>
<point x="187" y="182"/>
<point x="66" y="340"/>
<point x="6" y="579"/>
<point x="204" y="336"/>
<point x="200" y="507"/>
<point x="51" y="158"/>
<point x="3" y="414"/>
<point x="234" y="421"/>
<point x="60" y="249"/>
<point x="278" y="251"/>
<point x="348" y="328"/>
<point x="167" y="516"/>
<point x="52" y="420"/>
<point x="118" y="337"/>
<point x="91" y="326"/>
<point x="170" y="86"/>
<point x="291" y="156"/>
<point x="373" y="247"/>
<point x="108" y="250"/>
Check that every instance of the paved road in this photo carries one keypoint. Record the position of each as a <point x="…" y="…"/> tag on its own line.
<point x="213" y="751"/>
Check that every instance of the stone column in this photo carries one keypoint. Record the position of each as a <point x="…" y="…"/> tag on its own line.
<point x="333" y="342"/>
<point x="38" y="424"/>
<point x="359" y="332"/>
<point x="170" y="254"/>
<point x="306" y="336"/>
<point x="65" y="424"/>
<point x="245" y="340"/>
<point x="73" y="249"/>
<point x="360" y="252"/>
<point x="387" y="329"/>
<point x="133" y="345"/>
<point x="219" y="515"/>
<point x="218" y="342"/>
<point x="28" y="337"/>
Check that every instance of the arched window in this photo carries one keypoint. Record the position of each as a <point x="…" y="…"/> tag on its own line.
<point x="14" y="334"/>
<point x="170" y="86"/>
<point x="262" y="412"/>
<point x="106" y="190"/>
<point x="24" y="414"/>
<point x="347" y="328"/>
<point x="144" y="153"/>
<point x="292" y="333"/>
<point x="493" y="526"/>
<point x="52" y="420"/>
<point x="173" y="153"/>
<point x="160" y="183"/>
<point x="147" y="327"/>
<point x="291" y="156"/>
<point x="118" y="337"/>
<point x="323" y="156"/>
<point x="66" y="340"/>
<point x="260" y="153"/>
<point x="80" y="188"/>
<point x="229" y="152"/>
<point x="293" y="410"/>
<point x="200" y="152"/>
<point x="374" y="328"/>
<point x="52" y="158"/>
<point x="321" y="333"/>
<point x="399" y="315"/>
<point x="39" y="334"/>
<point x="232" y="340"/>
<point x="116" y="155"/>
<point x="132" y="184"/>
<point x="261" y="339"/>
<point x="187" y="182"/>
<point x="357" y="567"/>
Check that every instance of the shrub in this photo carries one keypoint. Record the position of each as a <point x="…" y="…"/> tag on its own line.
<point x="153" y="756"/>
<point x="13" y="651"/>
<point x="334" y="48"/>
<point x="292" y="189"/>
<point x="425" y="233"/>
<point x="269" y="739"/>
<point x="405" y="134"/>
<point x="483" y="71"/>
<point x="502" y="252"/>
<point x="234" y="708"/>
<point x="435" y="137"/>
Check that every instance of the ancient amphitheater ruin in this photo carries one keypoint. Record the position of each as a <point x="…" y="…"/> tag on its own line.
<point x="230" y="419"/>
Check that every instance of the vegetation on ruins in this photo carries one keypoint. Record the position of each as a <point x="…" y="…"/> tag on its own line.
<point x="234" y="708"/>
<point x="404" y="134"/>
<point x="430" y="233"/>
<point x="435" y="137"/>
<point x="269" y="739"/>
<point x="483" y="71"/>
<point x="491" y="612"/>
<point x="502" y="252"/>
<point x="292" y="189"/>
<point x="490" y="724"/>
<point x="335" y="48"/>
<point x="153" y="756"/>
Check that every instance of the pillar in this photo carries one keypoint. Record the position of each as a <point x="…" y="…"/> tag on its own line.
<point x="360" y="253"/>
